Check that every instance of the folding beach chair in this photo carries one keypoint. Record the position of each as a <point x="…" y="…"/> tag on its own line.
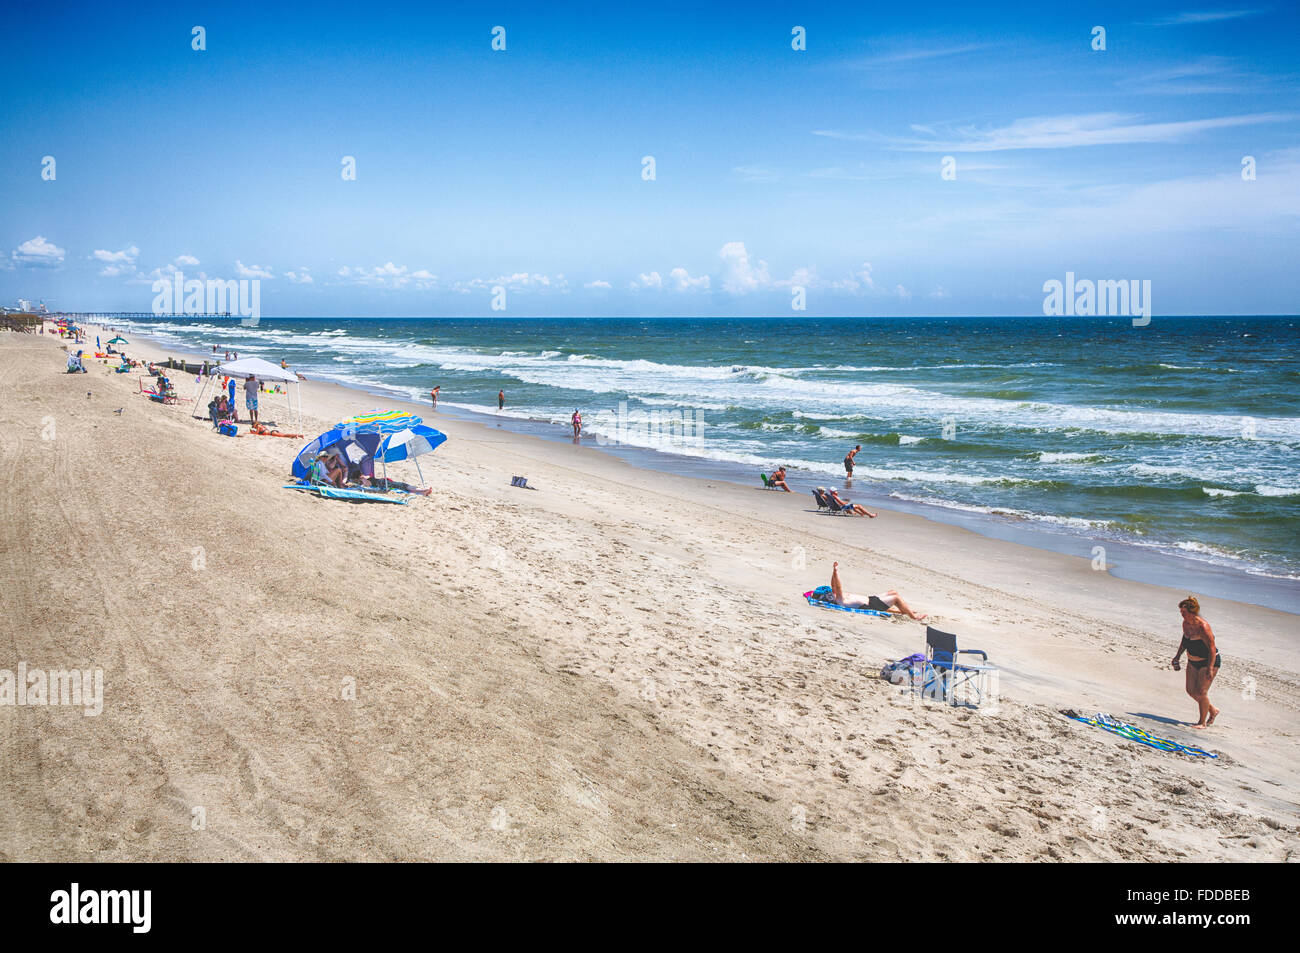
<point x="819" y="495"/>
<point x="942" y="674"/>
<point x="845" y="510"/>
<point x="767" y="484"/>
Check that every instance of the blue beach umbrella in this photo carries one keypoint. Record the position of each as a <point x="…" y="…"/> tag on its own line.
<point x="409" y="443"/>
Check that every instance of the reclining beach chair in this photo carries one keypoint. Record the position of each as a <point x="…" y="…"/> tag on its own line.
<point x="819" y="495"/>
<point x="837" y="509"/>
<point x="767" y="484"/>
<point x="942" y="674"/>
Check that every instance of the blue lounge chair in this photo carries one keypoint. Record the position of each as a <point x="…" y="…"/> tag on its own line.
<point x="819" y="495"/>
<point x="942" y="674"/>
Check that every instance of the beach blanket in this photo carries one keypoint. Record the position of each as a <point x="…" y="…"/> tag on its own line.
<point x="1134" y="733"/>
<point x="821" y="604"/>
<point x="334" y="493"/>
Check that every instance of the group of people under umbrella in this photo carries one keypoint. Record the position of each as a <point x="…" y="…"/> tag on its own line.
<point x="345" y="455"/>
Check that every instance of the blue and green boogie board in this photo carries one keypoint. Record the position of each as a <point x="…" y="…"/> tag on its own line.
<point x="334" y="493"/>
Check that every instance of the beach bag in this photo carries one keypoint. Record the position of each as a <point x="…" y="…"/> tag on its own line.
<point x="903" y="671"/>
<point x="227" y="429"/>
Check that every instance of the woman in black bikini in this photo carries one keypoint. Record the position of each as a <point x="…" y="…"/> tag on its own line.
<point x="888" y="601"/>
<point x="1198" y="643"/>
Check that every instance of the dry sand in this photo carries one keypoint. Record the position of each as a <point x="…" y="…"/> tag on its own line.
<point x="617" y="666"/>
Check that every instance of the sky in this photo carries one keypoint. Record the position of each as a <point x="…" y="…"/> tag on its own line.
<point x="775" y="169"/>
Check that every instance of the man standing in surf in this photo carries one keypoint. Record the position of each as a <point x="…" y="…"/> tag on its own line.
<point x="501" y="400"/>
<point x="848" y="463"/>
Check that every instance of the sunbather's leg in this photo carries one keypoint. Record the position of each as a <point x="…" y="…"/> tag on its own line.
<point x="862" y="510"/>
<point x="891" y="598"/>
<point x="836" y="587"/>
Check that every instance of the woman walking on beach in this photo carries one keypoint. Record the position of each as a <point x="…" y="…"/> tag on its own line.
<point x="433" y="394"/>
<point x="1203" y="659"/>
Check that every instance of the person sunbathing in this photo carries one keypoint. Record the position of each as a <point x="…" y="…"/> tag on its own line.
<point x="888" y="601"/>
<point x="855" y="508"/>
<point x="778" y="479"/>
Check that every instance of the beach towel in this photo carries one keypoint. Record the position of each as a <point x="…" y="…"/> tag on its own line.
<point x="334" y="493"/>
<point x="823" y="604"/>
<point x="1134" y="733"/>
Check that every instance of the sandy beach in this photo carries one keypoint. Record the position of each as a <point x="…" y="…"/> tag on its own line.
<point x="617" y="666"/>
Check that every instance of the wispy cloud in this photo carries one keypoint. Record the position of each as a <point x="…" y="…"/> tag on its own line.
<point x="117" y="263"/>
<point x="1073" y="131"/>
<point x="756" y="173"/>
<point x="519" y="281"/>
<point x="387" y="275"/>
<point x="1202" y="16"/>
<point x="913" y="54"/>
<point x="1208" y="74"/>
<point x="252" y="271"/>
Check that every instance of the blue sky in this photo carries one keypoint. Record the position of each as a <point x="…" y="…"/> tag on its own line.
<point x="774" y="168"/>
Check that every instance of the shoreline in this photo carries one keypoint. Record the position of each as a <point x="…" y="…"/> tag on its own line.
<point x="616" y="665"/>
<point x="1125" y="559"/>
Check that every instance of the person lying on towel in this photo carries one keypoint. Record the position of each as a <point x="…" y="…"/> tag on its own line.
<point x="888" y="601"/>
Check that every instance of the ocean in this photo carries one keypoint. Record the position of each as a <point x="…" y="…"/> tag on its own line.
<point x="1180" y="438"/>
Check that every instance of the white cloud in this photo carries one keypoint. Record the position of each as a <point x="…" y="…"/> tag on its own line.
<point x="647" y="280"/>
<point x="598" y="285"/>
<point x="251" y="271"/>
<point x="739" y="274"/>
<point x="117" y="263"/>
<point x="125" y="255"/>
<point x="913" y="54"/>
<point x="300" y="277"/>
<point x="185" y="260"/>
<point x="387" y="275"/>
<point x="1071" y="131"/>
<point x="519" y="281"/>
<point x="682" y="281"/>
<point x="1202" y="16"/>
<point x="38" y="253"/>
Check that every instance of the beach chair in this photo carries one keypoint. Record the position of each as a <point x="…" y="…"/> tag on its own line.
<point x="837" y="509"/>
<point x="942" y="675"/>
<point x="819" y="495"/>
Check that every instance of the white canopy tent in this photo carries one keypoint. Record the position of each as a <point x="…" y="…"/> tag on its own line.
<point x="264" y="371"/>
